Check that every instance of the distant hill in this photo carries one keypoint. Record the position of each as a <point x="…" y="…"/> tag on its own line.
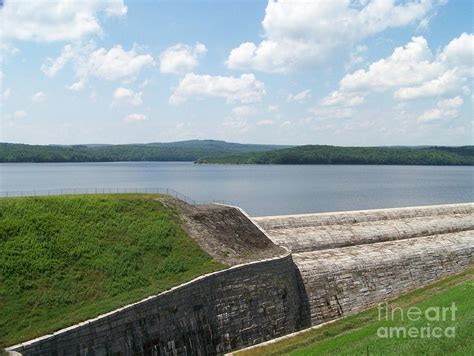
<point x="312" y="154"/>
<point x="212" y="151"/>
<point x="172" y="151"/>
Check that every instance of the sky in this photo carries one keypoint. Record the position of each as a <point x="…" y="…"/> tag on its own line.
<point x="337" y="72"/>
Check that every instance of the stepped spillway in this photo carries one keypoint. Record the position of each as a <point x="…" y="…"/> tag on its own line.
<point x="349" y="261"/>
<point x="310" y="232"/>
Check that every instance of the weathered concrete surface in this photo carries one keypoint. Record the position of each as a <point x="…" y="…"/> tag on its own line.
<point x="348" y="217"/>
<point x="310" y="232"/>
<point x="342" y="281"/>
<point x="213" y="314"/>
<point x="226" y="233"/>
<point x="349" y="261"/>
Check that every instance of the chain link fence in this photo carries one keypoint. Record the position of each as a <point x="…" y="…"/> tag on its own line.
<point x="115" y="190"/>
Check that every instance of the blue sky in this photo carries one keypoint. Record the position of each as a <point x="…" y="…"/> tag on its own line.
<point x="343" y="72"/>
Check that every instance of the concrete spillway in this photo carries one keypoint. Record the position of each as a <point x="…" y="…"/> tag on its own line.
<point x="349" y="261"/>
<point x="310" y="232"/>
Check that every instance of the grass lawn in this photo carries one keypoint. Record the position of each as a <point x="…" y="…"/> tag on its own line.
<point x="357" y="334"/>
<point x="69" y="258"/>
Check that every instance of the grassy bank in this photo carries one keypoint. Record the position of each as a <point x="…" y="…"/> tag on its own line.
<point x="67" y="259"/>
<point x="357" y="334"/>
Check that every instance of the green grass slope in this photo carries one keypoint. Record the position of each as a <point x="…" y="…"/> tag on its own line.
<point x="67" y="259"/>
<point x="357" y="334"/>
<point x="170" y="151"/>
<point x="313" y="154"/>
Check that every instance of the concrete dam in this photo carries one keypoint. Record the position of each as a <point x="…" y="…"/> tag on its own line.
<point x="287" y="273"/>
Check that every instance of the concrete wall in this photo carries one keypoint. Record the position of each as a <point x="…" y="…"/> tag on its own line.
<point x="339" y="282"/>
<point x="213" y="314"/>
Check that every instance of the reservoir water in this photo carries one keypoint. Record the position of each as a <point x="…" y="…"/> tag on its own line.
<point x="260" y="189"/>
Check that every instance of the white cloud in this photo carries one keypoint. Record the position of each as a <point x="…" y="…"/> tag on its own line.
<point x="20" y="114"/>
<point x="448" y="81"/>
<point x="272" y="108"/>
<point x="300" y="97"/>
<point x="356" y="57"/>
<point x="235" y="125"/>
<point x="342" y="98"/>
<point x="456" y="61"/>
<point x="332" y="112"/>
<point x="298" y="34"/>
<point x="128" y="96"/>
<point x="265" y="123"/>
<point x="181" y="58"/>
<point x="5" y="95"/>
<point x="244" y="89"/>
<point x="338" y="105"/>
<point x="244" y="110"/>
<point x="56" y="20"/>
<point x="77" y="86"/>
<point x="446" y="109"/>
<point x="68" y="53"/>
<point x="135" y="118"/>
<point x="38" y="97"/>
<point x="407" y="65"/>
<point x="113" y="64"/>
<point x="460" y="51"/>
<point x="7" y="50"/>
<point x="412" y="71"/>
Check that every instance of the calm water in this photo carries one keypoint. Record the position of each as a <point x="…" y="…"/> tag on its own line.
<point x="260" y="190"/>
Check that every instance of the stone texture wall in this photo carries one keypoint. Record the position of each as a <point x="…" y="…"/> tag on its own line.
<point x="269" y="223"/>
<point x="349" y="261"/>
<point x="339" y="282"/>
<point x="213" y="314"/>
<point x="312" y="238"/>
<point x="311" y="232"/>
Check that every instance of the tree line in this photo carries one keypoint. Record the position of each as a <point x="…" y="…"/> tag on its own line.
<point x="211" y="151"/>
<point x="315" y="154"/>
<point x="173" y="151"/>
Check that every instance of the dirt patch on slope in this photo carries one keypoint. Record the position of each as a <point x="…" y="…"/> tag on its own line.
<point x="225" y="233"/>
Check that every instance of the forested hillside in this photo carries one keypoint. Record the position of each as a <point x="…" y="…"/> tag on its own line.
<point x="354" y="155"/>
<point x="173" y="151"/>
<point x="211" y="151"/>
